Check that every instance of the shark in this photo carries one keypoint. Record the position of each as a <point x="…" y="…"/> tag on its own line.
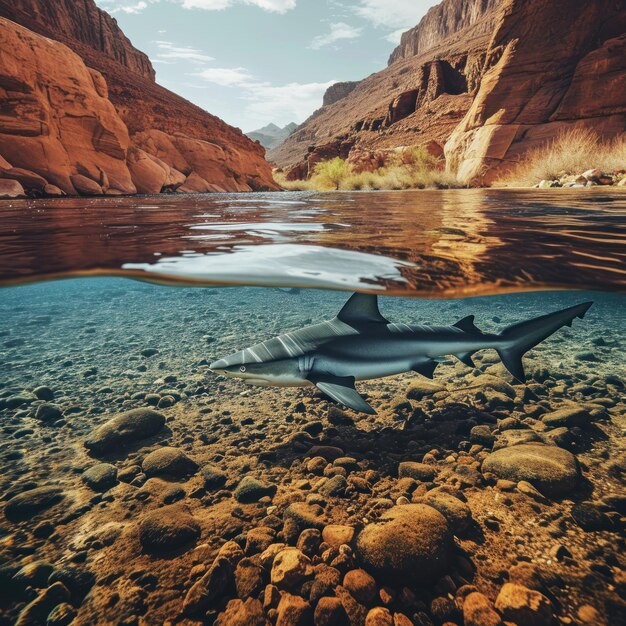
<point x="360" y="344"/>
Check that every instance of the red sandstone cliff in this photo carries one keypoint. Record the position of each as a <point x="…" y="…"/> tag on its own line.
<point x="487" y="79"/>
<point x="94" y="121"/>
<point x="78" y="22"/>
<point x="57" y="126"/>
<point x="551" y="66"/>
<point x="443" y="21"/>
<point x="419" y="98"/>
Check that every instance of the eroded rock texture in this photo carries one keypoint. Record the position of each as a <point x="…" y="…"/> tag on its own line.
<point x="488" y="80"/>
<point x="56" y="120"/>
<point x="419" y="98"/>
<point x="82" y="113"/>
<point x="551" y="66"/>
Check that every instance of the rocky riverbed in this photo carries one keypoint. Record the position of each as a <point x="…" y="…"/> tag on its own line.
<point x="138" y="488"/>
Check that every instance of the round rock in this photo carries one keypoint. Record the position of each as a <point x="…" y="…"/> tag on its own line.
<point x="305" y="515"/>
<point x="417" y="471"/>
<point x="411" y="540"/>
<point x="44" y="393"/>
<point x="167" y="528"/>
<point x="252" y="490"/>
<point x="48" y="412"/>
<point x="169" y="462"/>
<point x="28" y="503"/>
<point x="213" y="477"/>
<point x="100" y="477"/>
<point x="521" y="605"/>
<point x="552" y="470"/>
<point x="124" y="429"/>
<point x="457" y="513"/>
<point x="290" y="567"/>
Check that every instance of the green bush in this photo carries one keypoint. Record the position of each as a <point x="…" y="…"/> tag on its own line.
<point x="329" y="174"/>
<point x="410" y="168"/>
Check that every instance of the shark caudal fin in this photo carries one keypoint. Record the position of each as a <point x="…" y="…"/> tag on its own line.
<point x="520" y="338"/>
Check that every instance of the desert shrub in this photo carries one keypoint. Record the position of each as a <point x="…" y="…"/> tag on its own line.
<point x="409" y="168"/>
<point x="418" y="157"/>
<point x="570" y="153"/>
<point x="329" y="174"/>
<point x="292" y="185"/>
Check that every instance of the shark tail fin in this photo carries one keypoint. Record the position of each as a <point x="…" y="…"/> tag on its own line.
<point x="520" y="338"/>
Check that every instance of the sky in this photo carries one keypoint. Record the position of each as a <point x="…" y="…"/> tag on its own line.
<point x="252" y="62"/>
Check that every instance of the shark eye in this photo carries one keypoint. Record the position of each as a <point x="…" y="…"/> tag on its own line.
<point x="242" y="369"/>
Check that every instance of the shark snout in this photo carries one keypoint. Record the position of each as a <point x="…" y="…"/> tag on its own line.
<point x="218" y="365"/>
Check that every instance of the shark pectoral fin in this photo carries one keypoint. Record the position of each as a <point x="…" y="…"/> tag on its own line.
<point x="466" y="358"/>
<point x="342" y="390"/>
<point x="426" y="368"/>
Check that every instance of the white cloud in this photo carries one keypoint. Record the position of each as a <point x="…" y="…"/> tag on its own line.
<point x="395" y="36"/>
<point x="137" y="7"/>
<point x="294" y="101"/>
<point x="267" y="102"/>
<point x="396" y="14"/>
<point x="277" y="6"/>
<point x="168" y="53"/>
<point x="338" y="31"/>
<point x="127" y="6"/>
<point x="226" y="77"/>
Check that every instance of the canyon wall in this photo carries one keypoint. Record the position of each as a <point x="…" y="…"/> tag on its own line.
<point x="76" y="22"/>
<point x="472" y="17"/>
<point x="338" y="91"/>
<point x="485" y="80"/>
<point x="551" y="66"/>
<point x="58" y="130"/>
<point x="82" y="114"/>
<point x="419" y="98"/>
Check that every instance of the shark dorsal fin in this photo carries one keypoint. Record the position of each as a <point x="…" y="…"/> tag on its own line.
<point x="467" y="325"/>
<point x="361" y="308"/>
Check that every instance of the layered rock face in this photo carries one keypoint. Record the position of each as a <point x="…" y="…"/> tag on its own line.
<point x="57" y="126"/>
<point x="419" y="98"/>
<point x="542" y="81"/>
<point x="487" y="79"/>
<point x="71" y="21"/>
<point x="473" y="17"/>
<point x="92" y="120"/>
<point x="338" y="91"/>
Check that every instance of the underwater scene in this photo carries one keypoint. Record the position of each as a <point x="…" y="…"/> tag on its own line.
<point x="300" y="409"/>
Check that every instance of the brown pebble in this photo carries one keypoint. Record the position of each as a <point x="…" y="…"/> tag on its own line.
<point x="293" y="611"/>
<point x="524" y="606"/>
<point x="361" y="585"/>
<point x="478" y="611"/>
<point x="330" y="612"/>
<point x="379" y="616"/>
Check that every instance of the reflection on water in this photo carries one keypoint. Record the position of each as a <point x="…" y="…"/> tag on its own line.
<point x="437" y="243"/>
<point x="283" y="265"/>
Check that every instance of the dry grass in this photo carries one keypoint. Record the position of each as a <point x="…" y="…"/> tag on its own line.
<point x="569" y="154"/>
<point x="411" y="168"/>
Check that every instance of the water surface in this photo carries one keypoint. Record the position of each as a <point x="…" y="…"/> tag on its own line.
<point x="426" y="243"/>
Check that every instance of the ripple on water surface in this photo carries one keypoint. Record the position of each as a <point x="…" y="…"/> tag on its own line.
<point x="428" y="243"/>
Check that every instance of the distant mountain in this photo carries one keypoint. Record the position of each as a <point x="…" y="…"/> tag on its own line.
<point x="271" y="136"/>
